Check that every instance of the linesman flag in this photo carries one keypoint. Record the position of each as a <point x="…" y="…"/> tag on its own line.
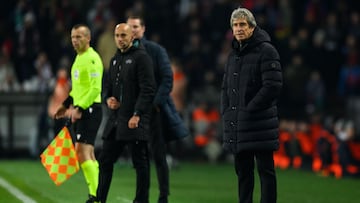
<point x="59" y="158"/>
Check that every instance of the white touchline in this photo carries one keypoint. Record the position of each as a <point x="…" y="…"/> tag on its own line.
<point x="123" y="199"/>
<point x="14" y="191"/>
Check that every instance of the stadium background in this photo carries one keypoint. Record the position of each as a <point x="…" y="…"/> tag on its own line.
<point x="317" y="41"/>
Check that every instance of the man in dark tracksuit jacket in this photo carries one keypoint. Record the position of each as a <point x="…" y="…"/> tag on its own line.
<point x="164" y="80"/>
<point x="251" y="85"/>
<point x="129" y="94"/>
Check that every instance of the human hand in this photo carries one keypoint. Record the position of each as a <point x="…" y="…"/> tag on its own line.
<point x="134" y="122"/>
<point x="112" y="103"/>
<point x="60" y="113"/>
<point x="75" y="114"/>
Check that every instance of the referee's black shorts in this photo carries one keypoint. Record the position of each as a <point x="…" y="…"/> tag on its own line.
<point x="87" y="127"/>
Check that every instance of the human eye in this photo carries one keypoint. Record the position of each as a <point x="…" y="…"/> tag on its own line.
<point x="243" y="24"/>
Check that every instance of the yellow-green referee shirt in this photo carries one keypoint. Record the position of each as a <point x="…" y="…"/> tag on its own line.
<point x="86" y="78"/>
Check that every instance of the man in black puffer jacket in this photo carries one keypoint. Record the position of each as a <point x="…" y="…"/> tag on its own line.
<point x="251" y="84"/>
<point x="129" y="94"/>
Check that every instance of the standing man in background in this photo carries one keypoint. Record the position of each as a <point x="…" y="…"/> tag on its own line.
<point x="129" y="93"/>
<point x="85" y="99"/>
<point x="164" y="80"/>
<point x="251" y="84"/>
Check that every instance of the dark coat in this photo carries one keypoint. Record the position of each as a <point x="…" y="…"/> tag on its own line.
<point x="173" y="125"/>
<point x="162" y="71"/>
<point x="251" y="85"/>
<point x="131" y="81"/>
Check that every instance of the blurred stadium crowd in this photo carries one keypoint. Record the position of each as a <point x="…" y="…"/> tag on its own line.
<point x="318" y="41"/>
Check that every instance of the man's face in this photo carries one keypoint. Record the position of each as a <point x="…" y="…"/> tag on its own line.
<point x="137" y="29"/>
<point x="241" y="29"/>
<point x="80" y="39"/>
<point x="123" y="36"/>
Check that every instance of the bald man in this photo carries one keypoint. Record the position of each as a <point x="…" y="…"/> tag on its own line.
<point x="129" y="93"/>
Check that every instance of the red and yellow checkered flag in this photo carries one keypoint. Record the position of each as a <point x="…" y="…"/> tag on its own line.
<point x="59" y="158"/>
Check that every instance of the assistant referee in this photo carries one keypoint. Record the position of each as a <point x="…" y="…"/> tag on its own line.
<point x="83" y="104"/>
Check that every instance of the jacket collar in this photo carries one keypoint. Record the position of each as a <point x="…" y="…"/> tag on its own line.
<point x="256" y="38"/>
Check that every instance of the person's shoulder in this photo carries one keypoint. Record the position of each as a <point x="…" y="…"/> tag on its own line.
<point x="91" y="52"/>
<point x="91" y="56"/>
<point x="96" y="55"/>
<point x="144" y="54"/>
<point x="268" y="46"/>
<point x="152" y="45"/>
<point x="268" y="49"/>
<point x="138" y="52"/>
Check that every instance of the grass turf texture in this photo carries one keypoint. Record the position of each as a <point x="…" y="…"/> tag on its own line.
<point x="190" y="183"/>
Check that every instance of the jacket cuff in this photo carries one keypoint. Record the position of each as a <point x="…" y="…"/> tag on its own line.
<point x="136" y="113"/>
<point x="68" y="101"/>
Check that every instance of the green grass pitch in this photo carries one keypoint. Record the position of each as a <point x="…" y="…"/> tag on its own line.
<point x="190" y="183"/>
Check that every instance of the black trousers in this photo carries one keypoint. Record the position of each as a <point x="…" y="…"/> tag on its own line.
<point x="140" y="155"/>
<point x="244" y="166"/>
<point x="158" y="151"/>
